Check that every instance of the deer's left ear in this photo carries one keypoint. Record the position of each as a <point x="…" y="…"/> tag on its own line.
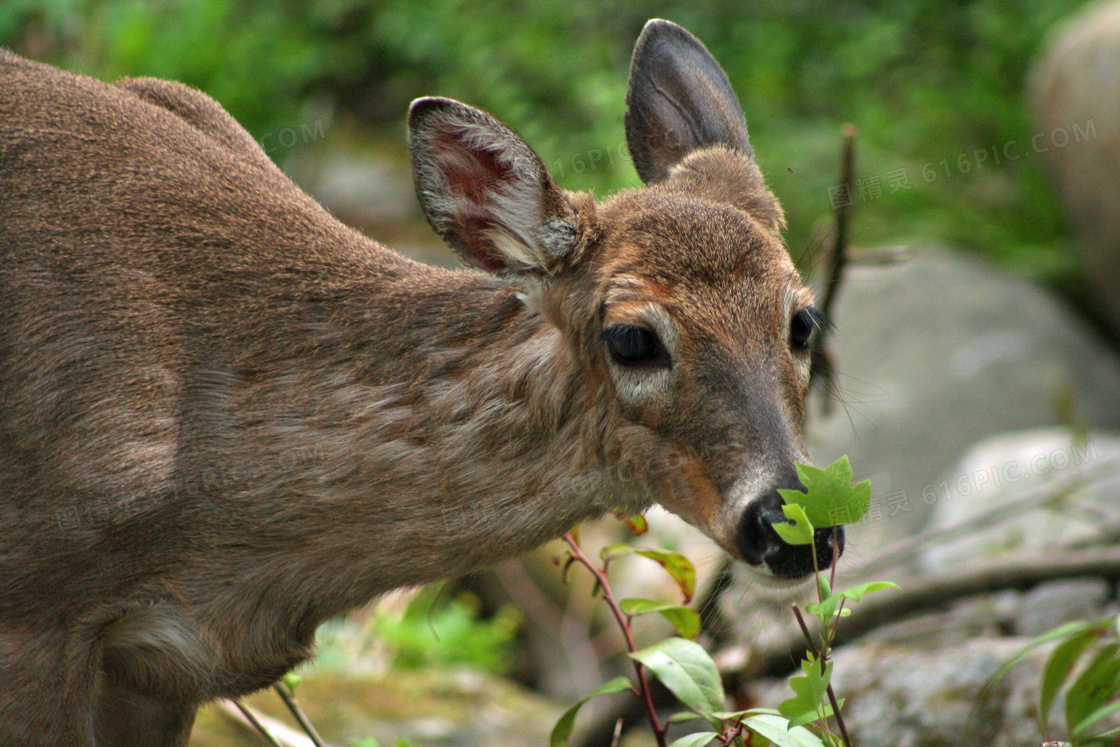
<point x="486" y="192"/>
<point x="679" y="100"/>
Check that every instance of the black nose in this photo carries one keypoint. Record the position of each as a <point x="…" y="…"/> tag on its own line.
<point x="760" y="545"/>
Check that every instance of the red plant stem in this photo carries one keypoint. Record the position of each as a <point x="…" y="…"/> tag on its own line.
<point x="624" y="623"/>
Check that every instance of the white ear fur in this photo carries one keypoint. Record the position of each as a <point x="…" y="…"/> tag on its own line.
<point x="485" y="191"/>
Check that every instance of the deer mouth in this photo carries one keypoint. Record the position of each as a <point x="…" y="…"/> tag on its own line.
<point x="759" y="545"/>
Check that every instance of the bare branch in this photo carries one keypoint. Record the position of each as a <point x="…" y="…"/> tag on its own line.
<point x="925" y="593"/>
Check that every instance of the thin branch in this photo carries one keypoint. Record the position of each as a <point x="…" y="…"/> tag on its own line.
<point x="293" y="706"/>
<point x="617" y="733"/>
<point x="919" y="594"/>
<point x="251" y="717"/>
<point x="837" y="258"/>
<point x="624" y="624"/>
<point x="822" y="657"/>
<point x="823" y="368"/>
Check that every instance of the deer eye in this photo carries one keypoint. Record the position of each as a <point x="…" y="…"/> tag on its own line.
<point x="801" y="328"/>
<point x="630" y="345"/>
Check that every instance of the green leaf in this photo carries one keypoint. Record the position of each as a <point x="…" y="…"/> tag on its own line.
<point x="1079" y="731"/>
<point x="781" y="732"/>
<point x="563" y="728"/>
<point x="685" y="619"/>
<point x="699" y="739"/>
<point x="824" y="611"/>
<point x="829" y="498"/>
<point x="1097" y="684"/>
<point x="687" y="670"/>
<point x="637" y="522"/>
<point x="679" y="568"/>
<point x="291" y="681"/>
<point x="800" y="532"/>
<point x="615" y="549"/>
<point x="1110" y="733"/>
<point x="1058" y="669"/>
<point x="809" y="691"/>
<point x="682" y="716"/>
<point x="1061" y="631"/>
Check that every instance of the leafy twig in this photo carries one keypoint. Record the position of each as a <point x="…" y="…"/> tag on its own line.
<point x="624" y="623"/>
<point x="822" y="656"/>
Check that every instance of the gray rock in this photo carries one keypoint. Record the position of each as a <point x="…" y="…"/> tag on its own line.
<point x="1006" y="471"/>
<point x="1075" y="89"/>
<point x="938" y="353"/>
<point x="1049" y="605"/>
<point x="428" y="708"/>
<point x="916" y="696"/>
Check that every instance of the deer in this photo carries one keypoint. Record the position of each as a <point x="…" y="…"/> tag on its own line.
<point x="225" y="417"/>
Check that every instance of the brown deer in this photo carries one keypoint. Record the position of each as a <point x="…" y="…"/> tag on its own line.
<point x="225" y="417"/>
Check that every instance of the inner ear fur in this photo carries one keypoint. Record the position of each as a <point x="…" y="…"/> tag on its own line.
<point x="486" y="192"/>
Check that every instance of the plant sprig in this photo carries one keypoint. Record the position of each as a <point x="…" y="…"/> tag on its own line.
<point x="688" y="671"/>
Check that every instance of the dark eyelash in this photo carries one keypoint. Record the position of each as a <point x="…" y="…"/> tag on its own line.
<point x="820" y="320"/>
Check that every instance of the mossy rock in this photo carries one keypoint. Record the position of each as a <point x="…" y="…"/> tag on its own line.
<point x="445" y="707"/>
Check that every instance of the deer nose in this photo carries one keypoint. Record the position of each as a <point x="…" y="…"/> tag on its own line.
<point x="760" y="545"/>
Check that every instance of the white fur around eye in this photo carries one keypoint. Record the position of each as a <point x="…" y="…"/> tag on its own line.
<point x="637" y="385"/>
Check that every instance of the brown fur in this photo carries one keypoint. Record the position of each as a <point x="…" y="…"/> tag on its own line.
<point x="225" y="417"/>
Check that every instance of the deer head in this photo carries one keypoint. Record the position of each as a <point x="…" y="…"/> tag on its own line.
<point x="678" y="301"/>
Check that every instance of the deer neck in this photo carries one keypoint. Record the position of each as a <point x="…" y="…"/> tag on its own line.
<point x="442" y="413"/>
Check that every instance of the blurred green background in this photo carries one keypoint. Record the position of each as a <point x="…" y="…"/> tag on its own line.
<point x="930" y="85"/>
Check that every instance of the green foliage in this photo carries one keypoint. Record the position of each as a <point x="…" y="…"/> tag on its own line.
<point x="808" y="703"/>
<point x="685" y="619"/>
<point x="829" y="498"/>
<point x="830" y="609"/>
<point x="563" y="728"/>
<point x="809" y="691"/>
<point x="688" y="671"/>
<point x="372" y="742"/>
<point x="929" y="85"/>
<point x="679" y="568"/>
<point x="451" y="632"/>
<point x="800" y="532"/>
<point x="1085" y="665"/>
<point x="685" y="668"/>
<point x="291" y="681"/>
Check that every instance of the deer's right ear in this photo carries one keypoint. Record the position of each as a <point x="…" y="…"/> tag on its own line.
<point x="679" y="100"/>
<point x="486" y="192"/>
